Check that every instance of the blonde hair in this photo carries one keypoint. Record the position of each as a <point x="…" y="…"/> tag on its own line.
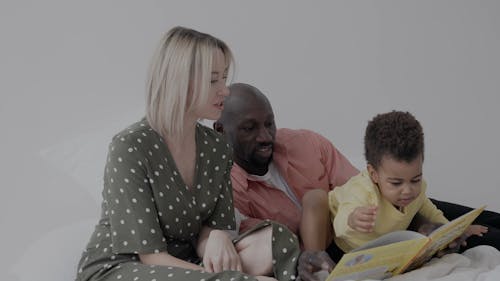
<point x="181" y="65"/>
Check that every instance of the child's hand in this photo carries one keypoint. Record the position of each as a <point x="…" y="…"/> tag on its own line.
<point x="476" y="229"/>
<point x="362" y="219"/>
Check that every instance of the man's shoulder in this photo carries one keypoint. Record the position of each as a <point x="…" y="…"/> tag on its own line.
<point x="286" y="135"/>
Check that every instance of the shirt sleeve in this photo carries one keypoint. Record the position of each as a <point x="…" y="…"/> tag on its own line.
<point x="431" y="212"/>
<point x="131" y="209"/>
<point x="342" y="201"/>
<point x="339" y="169"/>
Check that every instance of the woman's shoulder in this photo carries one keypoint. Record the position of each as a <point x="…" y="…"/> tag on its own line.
<point x="213" y="146"/>
<point x="138" y="133"/>
<point x="212" y="138"/>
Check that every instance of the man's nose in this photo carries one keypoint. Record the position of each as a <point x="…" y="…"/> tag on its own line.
<point x="264" y="135"/>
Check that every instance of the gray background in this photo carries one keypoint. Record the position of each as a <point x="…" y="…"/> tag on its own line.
<point x="73" y="74"/>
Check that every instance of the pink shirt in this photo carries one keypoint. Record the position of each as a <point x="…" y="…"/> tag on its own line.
<point x="306" y="161"/>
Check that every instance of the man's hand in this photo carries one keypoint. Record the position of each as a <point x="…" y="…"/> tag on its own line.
<point x="220" y="253"/>
<point x="362" y="219"/>
<point x="428" y="227"/>
<point x="454" y="246"/>
<point x="476" y="229"/>
<point x="311" y="262"/>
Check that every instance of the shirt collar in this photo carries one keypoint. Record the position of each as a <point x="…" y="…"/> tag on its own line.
<point x="240" y="176"/>
<point x="280" y="159"/>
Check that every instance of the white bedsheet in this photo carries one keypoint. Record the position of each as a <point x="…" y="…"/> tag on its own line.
<point x="480" y="263"/>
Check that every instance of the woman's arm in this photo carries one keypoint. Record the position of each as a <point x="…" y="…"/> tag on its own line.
<point x="165" y="259"/>
<point x="202" y="240"/>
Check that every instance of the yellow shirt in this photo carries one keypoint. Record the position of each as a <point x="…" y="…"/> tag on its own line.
<point x="361" y="191"/>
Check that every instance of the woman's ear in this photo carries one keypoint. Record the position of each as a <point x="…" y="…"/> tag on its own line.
<point x="373" y="173"/>
<point x="218" y="127"/>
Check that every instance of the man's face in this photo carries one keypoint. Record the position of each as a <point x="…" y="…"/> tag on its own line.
<point x="252" y="133"/>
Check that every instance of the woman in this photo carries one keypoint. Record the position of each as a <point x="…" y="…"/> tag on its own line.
<point x="167" y="198"/>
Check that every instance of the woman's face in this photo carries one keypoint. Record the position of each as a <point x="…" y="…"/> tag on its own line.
<point x="218" y="88"/>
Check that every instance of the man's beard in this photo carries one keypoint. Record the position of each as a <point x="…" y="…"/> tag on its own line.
<point x="260" y="162"/>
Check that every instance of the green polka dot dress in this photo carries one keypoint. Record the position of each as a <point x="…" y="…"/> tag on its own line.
<point x="147" y="208"/>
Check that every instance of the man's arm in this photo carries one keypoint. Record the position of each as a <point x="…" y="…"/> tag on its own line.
<point x="339" y="168"/>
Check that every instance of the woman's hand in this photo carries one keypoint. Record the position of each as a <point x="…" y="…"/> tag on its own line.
<point x="362" y="219"/>
<point x="220" y="253"/>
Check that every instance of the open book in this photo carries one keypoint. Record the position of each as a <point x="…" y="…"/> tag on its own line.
<point x="399" y="251"/>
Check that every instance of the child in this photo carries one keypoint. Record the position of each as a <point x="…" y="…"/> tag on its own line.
<point x="384" y="198"/>
<point x="387" y="195"/>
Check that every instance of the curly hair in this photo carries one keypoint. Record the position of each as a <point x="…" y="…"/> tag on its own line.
<point x="395" y="134"/>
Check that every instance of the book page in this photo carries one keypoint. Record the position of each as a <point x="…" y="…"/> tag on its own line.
<point x="377" y="263"/>
<point x="445" y="234"/>
<point x="390" y="238"/>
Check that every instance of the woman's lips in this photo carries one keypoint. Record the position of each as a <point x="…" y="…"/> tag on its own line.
<point x="219" y="105"/>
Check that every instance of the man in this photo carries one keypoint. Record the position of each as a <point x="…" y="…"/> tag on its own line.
<point x="274" y="168"/>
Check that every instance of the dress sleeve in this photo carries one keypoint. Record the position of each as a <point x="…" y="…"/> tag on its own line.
<point x="129" y="201"/>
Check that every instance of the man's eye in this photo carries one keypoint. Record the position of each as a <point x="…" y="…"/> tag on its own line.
<point x="213" y="81"/>
<point x="395" y="183"/>
<point x="247" y="129"/>
<point x="416" y="180"/>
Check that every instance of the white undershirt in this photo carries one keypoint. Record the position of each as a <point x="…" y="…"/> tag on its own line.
<point x="274" y="179"/>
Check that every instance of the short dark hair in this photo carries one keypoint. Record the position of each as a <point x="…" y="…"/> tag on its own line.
<point x="395" y="134"/>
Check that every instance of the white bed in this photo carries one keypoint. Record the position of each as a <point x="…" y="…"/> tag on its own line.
<point x="53" y="257"/>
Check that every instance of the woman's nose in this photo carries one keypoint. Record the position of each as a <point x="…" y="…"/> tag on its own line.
<point x="224" y="91"/>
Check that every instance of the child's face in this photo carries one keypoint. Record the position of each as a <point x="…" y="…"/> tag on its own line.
<point x="399" y="182"/>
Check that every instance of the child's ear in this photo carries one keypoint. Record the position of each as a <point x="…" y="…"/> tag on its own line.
<point x="373" y="173"/>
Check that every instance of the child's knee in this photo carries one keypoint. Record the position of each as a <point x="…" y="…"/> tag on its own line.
<point x="315" y="198"/>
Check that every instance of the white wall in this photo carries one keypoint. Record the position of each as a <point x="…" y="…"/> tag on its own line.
<point x="74" y="71"/>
